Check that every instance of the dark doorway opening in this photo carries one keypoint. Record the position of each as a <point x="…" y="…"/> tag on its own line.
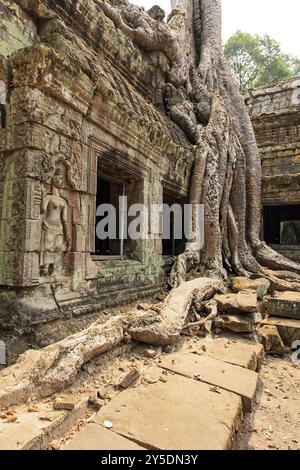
<point x="108" y="192"/>
<point x="2" y="116"/>
<point x="282" y="225"/>
<point x="173" y="246"/>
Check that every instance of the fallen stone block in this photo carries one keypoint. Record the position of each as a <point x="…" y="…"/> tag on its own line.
<point x="243" y="354"/>
<point x="129" y="378"/>
<point x="235" y="323"/>
<point x="242" y="302"/>
<point x="284" y="304"/>
<point x="271" y="340"/>
<point x="247" y="301"/>
<point x="169" y="323"/>
<point x="152" y="353"/>
<point x="288" y="329"/>
<point x="261" y="285"/>
<point x="66" y="402"/>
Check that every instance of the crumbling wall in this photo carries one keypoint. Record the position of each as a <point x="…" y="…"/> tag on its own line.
<point x="275" y="114"/>
<point x="17" y="29"/>
<point x="80" y="92"/>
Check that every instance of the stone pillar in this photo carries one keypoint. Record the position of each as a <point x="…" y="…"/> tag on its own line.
<point x="43" y="141"/>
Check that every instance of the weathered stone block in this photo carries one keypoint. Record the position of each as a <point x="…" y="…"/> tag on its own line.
<point x="243" y="302"/>
<point x="75" y="265"/>
<point x="271" y="340"/>
<point x="243" y="283"/>
<point x="285" y="304"/>
<point x="65" y="402"/>
<point x="235" y="323"/>
<point x="19" y="269"/>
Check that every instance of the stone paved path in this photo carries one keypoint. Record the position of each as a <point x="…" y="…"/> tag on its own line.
<point x="190" y="401"/>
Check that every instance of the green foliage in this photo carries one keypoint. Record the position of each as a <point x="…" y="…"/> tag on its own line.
<point x="258" y="60"/>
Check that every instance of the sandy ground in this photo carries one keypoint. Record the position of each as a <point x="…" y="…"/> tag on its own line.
<point x="275" y="421"/>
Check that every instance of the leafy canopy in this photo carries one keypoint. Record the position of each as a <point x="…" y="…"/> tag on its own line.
<point x="258" y="60"/>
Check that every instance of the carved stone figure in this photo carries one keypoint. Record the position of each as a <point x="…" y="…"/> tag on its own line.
<point x="56" y="236"/>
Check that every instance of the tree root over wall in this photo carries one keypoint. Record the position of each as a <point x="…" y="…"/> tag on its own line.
<point x="227" y="170"/>
<point x="204" y="100"/>
<point x="226" y="179"/>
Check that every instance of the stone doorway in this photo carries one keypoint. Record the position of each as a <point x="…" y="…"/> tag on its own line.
<point x="173" y="216"/>
<point x="109" y="192"/>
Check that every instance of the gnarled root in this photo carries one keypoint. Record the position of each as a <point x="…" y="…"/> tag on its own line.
<point x="39" y="374"/>
<point x="274" y="260"/>
<point x="184" y="264"/>
<point x="174" y="311"/>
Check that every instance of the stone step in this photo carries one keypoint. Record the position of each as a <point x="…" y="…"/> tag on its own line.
<point x="284" y="305"/>
<point x="288" y="329"/>
<point x="112" y="299"/>
<point x="181" y="414"/>
<point x="244" y="323"/>
<point x="215" y="372"/>
<point x="35" y="430"/>
<point x="236" y="352"/>
<point x="97" y="297"/>
<point x="96" y="437"/>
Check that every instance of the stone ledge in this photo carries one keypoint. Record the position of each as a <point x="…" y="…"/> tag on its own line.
<point x="285" y="304"/>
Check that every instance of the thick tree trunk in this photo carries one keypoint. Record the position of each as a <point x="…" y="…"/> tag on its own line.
<point x="227" y="169"/>
<point x="204" y="100"/>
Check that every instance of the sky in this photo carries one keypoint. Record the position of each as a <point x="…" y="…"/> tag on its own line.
<point x="278" y="18"/>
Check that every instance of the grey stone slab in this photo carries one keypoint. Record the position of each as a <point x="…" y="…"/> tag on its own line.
<point x="215" y="372"/>
<point x="96" y="437"/>
<point x="181" y="414"/>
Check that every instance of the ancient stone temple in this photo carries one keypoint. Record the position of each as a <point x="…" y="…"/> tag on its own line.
<point x="83" y="121"/>
<point x="275" y="113"/>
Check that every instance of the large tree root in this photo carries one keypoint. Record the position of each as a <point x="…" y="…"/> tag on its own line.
<point x="284" y="281"/>
<point x="184" y="264"/>
<point x="149" y="34"/>
<point x="175" y="309"/>
<point x="274" y="260"/>
<point x="39" y="374"/>
<point x="42" y="373"/>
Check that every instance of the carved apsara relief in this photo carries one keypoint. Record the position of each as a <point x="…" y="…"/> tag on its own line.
<point x="56" y="234"/>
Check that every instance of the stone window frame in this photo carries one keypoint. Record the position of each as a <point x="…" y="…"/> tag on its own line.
<point x="101" y="151"/>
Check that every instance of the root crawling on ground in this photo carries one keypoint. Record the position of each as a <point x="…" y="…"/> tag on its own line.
<point x="174" y="311"/>
<point x="39" y="374"/>
<point x="42" y="373"/>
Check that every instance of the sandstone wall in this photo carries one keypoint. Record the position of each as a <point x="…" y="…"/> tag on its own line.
<point x="275" y="113"/>
<point x="77" y="95"/>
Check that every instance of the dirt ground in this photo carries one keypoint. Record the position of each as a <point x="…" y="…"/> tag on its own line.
<point x="275" y="421"/>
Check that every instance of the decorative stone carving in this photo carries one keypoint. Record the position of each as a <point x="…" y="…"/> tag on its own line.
<point x="56" y="237"/>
